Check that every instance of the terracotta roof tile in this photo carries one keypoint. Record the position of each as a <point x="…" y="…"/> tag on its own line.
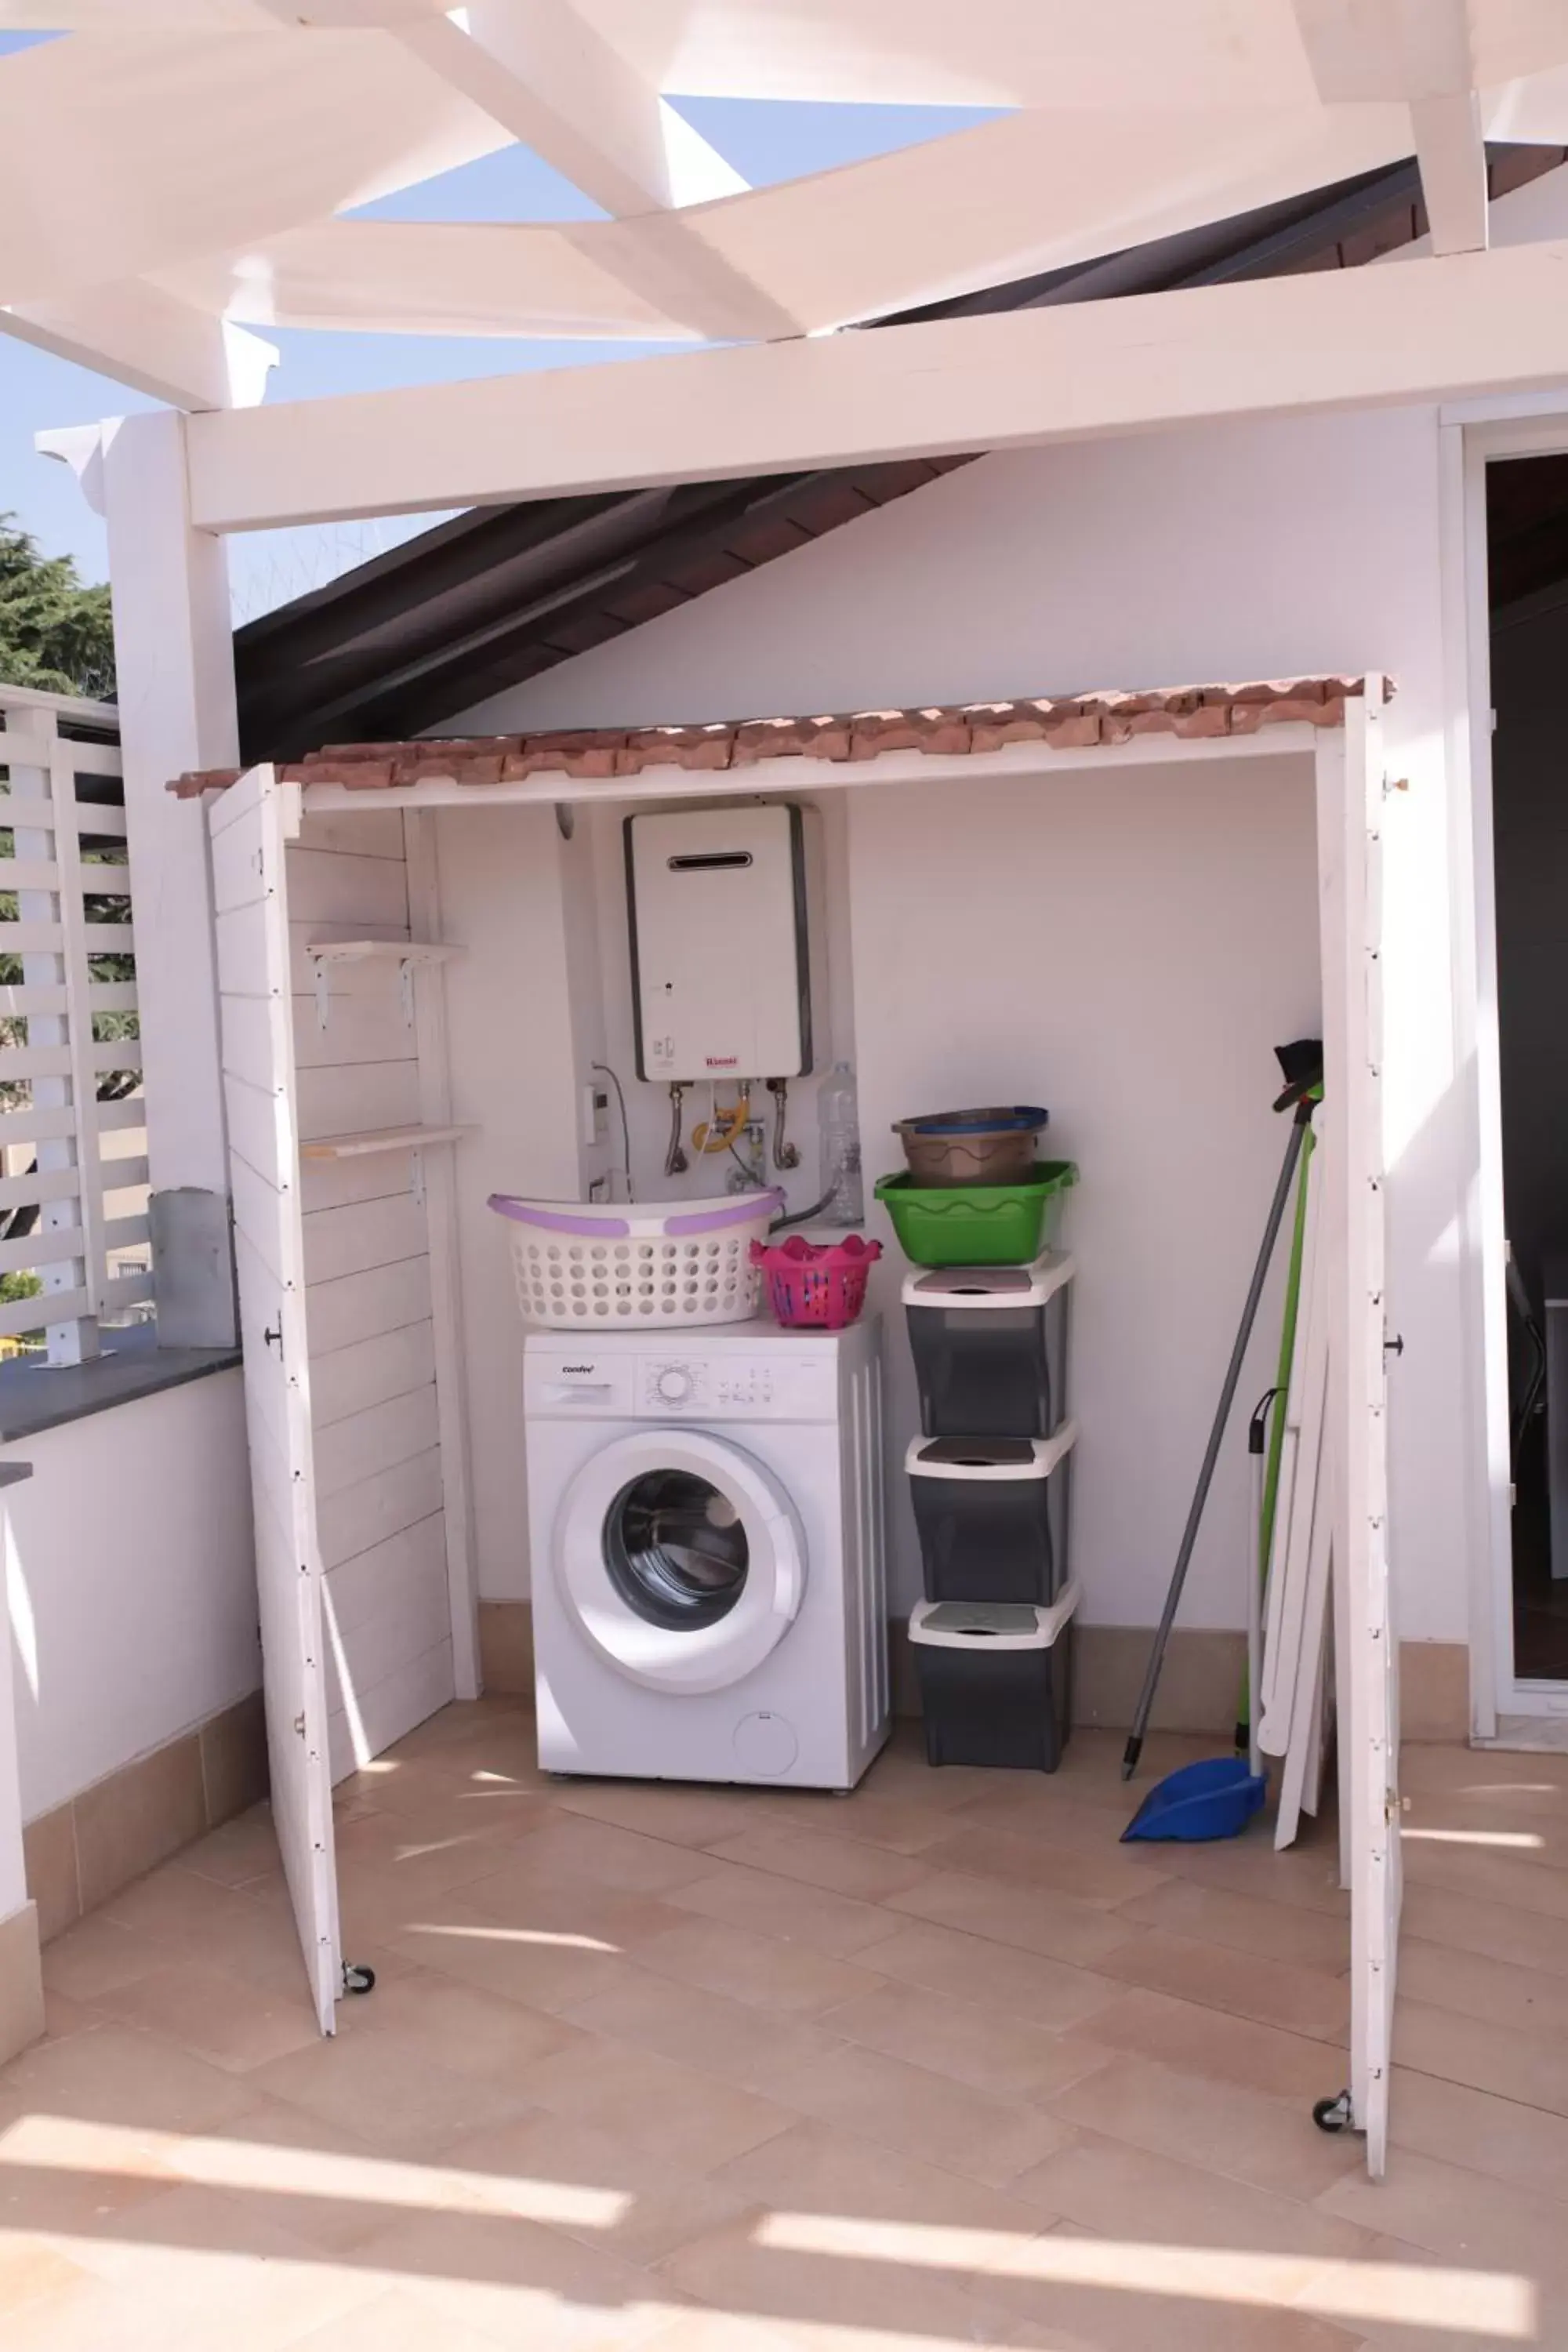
<point x="1061" y="722"/>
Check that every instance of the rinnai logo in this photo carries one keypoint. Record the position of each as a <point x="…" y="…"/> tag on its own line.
<point x="721" y="1061"/>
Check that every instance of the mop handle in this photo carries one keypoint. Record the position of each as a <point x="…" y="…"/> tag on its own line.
<point x="1257" y="1447"/>
<point x="1134" y="1747"/>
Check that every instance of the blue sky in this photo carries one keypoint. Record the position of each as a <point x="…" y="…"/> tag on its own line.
<point x="764" y="141"/>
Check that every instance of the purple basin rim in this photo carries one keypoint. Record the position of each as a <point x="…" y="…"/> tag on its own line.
<point x="559" y="1221"/>
<point x="743" y="1212"/>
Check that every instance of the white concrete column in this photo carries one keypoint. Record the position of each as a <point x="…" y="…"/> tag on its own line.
<point x="21" y="1984"/>
<point x="174" y="660"/>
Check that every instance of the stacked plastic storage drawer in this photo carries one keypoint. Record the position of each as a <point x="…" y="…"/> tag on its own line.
<point x="989" y="1481"/>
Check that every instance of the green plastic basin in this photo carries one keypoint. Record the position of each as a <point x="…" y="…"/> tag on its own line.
<point x="977" y="1224"/>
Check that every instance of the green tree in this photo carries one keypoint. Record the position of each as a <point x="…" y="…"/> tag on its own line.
<point x="55" y="633"/>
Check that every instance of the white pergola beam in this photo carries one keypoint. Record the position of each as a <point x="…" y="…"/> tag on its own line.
<point x="1452" y="154"/>
<point x="147" y="338"/>
<point x="549" y="79"/>
<point x="1361" y="51"/>
<point x="546" y="77"/>
<point x="1432" y="329"/>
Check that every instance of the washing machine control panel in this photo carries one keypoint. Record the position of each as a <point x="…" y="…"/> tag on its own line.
<point x="691" y="1387"/>
<point x="578" y="1379"/>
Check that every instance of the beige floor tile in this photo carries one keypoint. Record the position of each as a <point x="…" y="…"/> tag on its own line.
<point x="1484" y="1875"/>
<point x="720" y="2331"/>
<point x="397" y="2322"/>
<point x="520" y="2285"/>
<point x="671" y="2110"/>
<point x="114" y="2075"/>
<point x="771" y="1905"/>
<point x="1245" y="1984"/>
<point x="742" y="2272"/>
<point x="572" y="1847"/>
<point x="1057" y="1816"/>
<point x="731" y="2038"/>
<point x="1244" y="1923"/>
<point x="1531" y="2068"/>
<point x="389" y="2094"/>
<point x="243" y="1849"/>
<point x="1105" y="2186"/>
<point x="562" y="1947"/>
<point x="818" y="2168"/>
<point x="1220" y="2126"/>
<point x="786" y="1979"/>
<point x="961" y="2038"/>
<point x="198" y="2008"/>
<point x="1198" y="2041"/>
<point x="322" y="2183"/>
<point x="30" y="2271"/>
<point x="1479" y="2131"/>
<point x="457" y="2025"/>
<point x="660" y="1808"/>
<point x="842" y="1865"/>
<point x="906" y="2107"/>
<point x="63" y="2016"/>
<point x="902" y="1823"/>
<point x="605" y="2190"/>
<point x="176" y="1904"/>
<point x="98" y="1955"/>
<point x="1402" y="2299"/>
<point x="1306" y="1877"/>
<point x="1530" y="2000"/>
<point x="1104" y="1879"/>
<point x="599" y="1917"/>
<point x="1052" y="1925"/>
<point x="1530" y="1940"/>
<point x="429" y="1853"/>
<point x="1084" y="2294"/>
<point x="1458" y="2214"/>
<point x="998" y="1977"/>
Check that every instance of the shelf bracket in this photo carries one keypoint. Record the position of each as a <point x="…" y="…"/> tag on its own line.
<point x="416" y="1178"/>
<point x="324" y="992"/>
<point x="406" y="988"/>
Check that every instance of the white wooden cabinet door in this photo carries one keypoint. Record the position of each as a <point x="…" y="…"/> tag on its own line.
<point x="1349" y="822"/>
<point x="250" y="825"/>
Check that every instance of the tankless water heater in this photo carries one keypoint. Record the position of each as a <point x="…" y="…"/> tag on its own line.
<point x="722" y="942"/>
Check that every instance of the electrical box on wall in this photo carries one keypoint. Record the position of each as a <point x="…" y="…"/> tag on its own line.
<point x="724" y="939"/>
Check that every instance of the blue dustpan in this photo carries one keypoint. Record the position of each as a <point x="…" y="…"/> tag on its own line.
<point x="1215" y="1798"/>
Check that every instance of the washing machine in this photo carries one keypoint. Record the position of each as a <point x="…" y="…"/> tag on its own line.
<point x="705" y="1511"/>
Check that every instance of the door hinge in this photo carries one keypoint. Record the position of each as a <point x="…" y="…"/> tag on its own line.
<point x="299" y="1725"/>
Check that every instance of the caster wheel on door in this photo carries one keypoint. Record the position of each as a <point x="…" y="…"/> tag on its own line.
<point x="358" y="1980"/>
<point x="1333" y="2115"/>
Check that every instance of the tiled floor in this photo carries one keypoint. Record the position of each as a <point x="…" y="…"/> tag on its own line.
<point x="717" y="2071"/>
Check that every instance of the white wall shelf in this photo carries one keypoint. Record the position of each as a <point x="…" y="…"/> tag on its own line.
<point x="381" y="1139"/>
<point x="407" y="954"/>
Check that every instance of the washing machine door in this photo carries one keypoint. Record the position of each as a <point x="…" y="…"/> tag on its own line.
<point x="680" y="1559"/>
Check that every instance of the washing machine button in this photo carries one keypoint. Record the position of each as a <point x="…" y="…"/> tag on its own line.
<point x="674" y="1385"/>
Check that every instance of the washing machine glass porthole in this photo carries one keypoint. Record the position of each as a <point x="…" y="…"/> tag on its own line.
<point x="676" y="1550"/>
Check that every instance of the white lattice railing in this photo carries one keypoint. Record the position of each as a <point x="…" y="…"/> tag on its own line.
<point x="73" y="1164"/>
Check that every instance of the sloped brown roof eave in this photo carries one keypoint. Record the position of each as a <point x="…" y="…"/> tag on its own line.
<point x="603" y="755"/>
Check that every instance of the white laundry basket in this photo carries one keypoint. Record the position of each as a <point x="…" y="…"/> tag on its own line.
<point x="580" y="1266"/>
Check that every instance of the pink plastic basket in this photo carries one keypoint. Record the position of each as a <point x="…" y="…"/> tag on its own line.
<point x="816" y="1286"/>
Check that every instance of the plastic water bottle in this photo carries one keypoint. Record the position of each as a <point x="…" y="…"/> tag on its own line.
<point x="839" y="1126"/>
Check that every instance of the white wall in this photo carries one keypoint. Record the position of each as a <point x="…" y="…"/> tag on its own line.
<point x="542" y="993"/>
<point x="1230" y="553"/>
<point x="507" y="882"/>
<point x="131" y="1581"/>
<point x="1131" y="955"/>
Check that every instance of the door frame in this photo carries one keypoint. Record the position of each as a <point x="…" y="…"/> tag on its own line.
<point x="1472" y="436"/>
